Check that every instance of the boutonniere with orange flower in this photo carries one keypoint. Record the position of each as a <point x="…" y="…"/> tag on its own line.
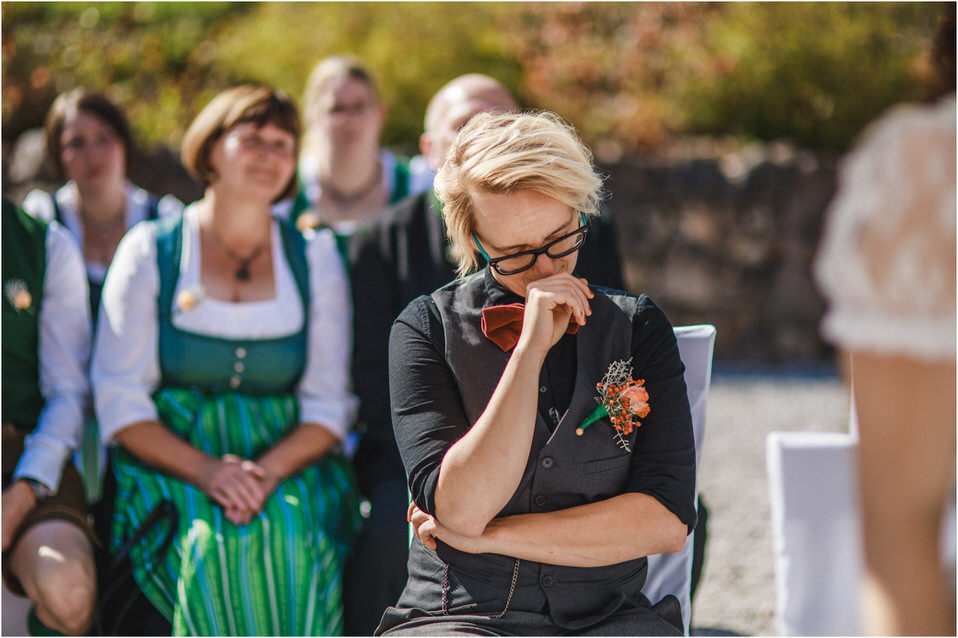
<point x="623" y="399"/>
<point x="308" y="220"/>
<point x="188" y="298"/>
<point x="18" y="295"/>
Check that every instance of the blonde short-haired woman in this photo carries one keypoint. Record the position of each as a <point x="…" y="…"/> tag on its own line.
<point x="534" y="514"/>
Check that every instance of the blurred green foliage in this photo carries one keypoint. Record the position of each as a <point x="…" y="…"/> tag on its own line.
<point x="152" y="58"/>
<point x="629" y="76"/>
<point x="164" y="61"/>
<point x="811" y="72"/>
<point x="412" y="48"/>
<point x="612" y="68"/>
<point x="635" y="75"/>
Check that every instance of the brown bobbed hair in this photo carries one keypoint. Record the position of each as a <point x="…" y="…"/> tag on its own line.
<point x="95" y="104"/>
<point x="238" y="105"/>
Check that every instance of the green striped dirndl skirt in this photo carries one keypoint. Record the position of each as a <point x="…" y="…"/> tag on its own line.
<point x="280" y="575"/>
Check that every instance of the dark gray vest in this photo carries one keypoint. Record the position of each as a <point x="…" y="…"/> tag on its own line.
<point x="564" y="470"/>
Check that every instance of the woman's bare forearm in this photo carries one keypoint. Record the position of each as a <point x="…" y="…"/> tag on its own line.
<point x="154" y="444"/>
<point x="616" y="530"/>
<point x="303" y="446"/>
<point x="482" y="470"/>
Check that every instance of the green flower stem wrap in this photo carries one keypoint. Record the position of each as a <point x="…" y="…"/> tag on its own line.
<point x="597" y="413"/>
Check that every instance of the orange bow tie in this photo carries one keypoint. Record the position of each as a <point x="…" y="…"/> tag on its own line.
<point x="502" y="325"/>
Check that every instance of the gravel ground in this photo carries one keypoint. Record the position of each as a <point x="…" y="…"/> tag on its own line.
<point x="736" y="595"/>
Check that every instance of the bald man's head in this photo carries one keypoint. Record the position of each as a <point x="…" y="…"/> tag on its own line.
<point x="453" y="106"/>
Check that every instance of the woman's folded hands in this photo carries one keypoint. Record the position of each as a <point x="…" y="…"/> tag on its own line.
<point x="240" y="486"/>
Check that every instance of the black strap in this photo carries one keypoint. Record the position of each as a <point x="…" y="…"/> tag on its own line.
<point x="57" y="214"/>
<point x="165" y="510"/>
<point x="152" y="206"/>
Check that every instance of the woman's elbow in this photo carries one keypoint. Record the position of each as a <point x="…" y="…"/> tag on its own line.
<point x="674" y="536"/>
<point x="124" y="436"/>
<point x="464" y="523"/>
<point x="676" y="542"/>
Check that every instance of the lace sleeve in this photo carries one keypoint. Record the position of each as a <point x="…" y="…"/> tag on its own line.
<point x="887" y="260"/>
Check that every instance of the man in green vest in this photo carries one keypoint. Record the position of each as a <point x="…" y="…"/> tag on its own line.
<point x="46" y="333"/>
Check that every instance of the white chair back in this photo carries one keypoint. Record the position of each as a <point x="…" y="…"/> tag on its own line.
<point x="672" y="573"/>
<point x="816" y="532"/>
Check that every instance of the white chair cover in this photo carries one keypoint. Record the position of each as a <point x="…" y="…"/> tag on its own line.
<point x="672" y="573"/>
<point x="816" y="532"/>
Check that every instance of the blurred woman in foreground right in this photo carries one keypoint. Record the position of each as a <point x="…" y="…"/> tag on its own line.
<point x="887" y="265"/>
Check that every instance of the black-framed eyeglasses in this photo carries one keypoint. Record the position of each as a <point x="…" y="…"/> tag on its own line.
<point x="526" y="259"/>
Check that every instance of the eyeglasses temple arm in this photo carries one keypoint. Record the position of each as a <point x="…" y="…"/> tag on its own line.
<point x="479" y="246"/>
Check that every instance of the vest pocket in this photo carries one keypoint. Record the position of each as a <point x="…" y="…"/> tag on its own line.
<point x="606" y="465"/>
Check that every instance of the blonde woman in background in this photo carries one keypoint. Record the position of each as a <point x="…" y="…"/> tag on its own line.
<point x="345" y="177"/>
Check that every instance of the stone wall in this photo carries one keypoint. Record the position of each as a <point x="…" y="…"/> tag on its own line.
<point x="730" y="241"/>
<point x="725" y="238"/>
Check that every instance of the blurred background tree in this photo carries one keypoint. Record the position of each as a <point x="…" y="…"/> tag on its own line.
<point x="152" y="58"/>
<point x="813" y="73"/>
<point x="630" y="76"/>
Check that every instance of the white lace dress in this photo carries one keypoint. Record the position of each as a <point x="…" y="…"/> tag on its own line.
<point x="887" y="258"/>
<point x="886" y="263"/>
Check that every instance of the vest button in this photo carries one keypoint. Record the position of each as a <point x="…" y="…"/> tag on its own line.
<point x="240" y="353"/>
<point x="543" y="389"/>
<point x="547" y="581"/>
<point x="547" y="462"/>
<point x="540" y="500"/>
<point x="234" y="382"/>
<point x="238" y="367"/>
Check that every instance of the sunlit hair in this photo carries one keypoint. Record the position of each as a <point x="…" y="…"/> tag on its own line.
<point x="509" y="153"/>
<point x="94" y="104"/>
<point x="238" y="105"/>
<point x="329" y="69"/>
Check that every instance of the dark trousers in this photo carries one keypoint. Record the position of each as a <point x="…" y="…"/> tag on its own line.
<point x="122" y="607"/>
<point x="127" y="611"/>
<point x="632" y="621"/>
<point x="376" y="568"/>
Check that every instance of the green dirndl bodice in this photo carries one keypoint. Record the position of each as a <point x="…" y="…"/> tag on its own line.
<point x="282" y="573"/>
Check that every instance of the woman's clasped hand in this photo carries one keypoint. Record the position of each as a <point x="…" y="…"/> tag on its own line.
<point x="239" y="485"/>
<point x="551" y="304"/>
<point x="429" y="530"/>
